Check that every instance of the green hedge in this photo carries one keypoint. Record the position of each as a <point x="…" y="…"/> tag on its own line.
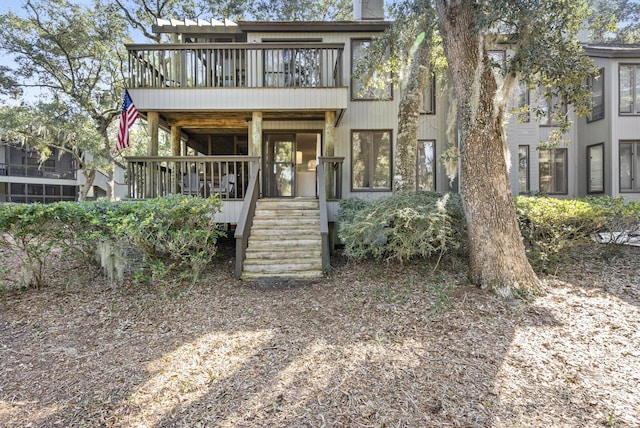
<point x="402" y="227"/>
<point x="551" y="226"/>
<point x="159" y="236"/>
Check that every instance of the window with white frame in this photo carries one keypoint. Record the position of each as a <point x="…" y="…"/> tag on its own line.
<point x="371" y="160"/>
<point x="595" y="83"/>
<point x="595" y="172"/>
<point x="629" y="90"/>
<point x="370" y="85"/>
<point x="553" y="171"/>
<point x="426" y="165"/>
<point x="629" y="166"/>
<point x="523" y="169"/>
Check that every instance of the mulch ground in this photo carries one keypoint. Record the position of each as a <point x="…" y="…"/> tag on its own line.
<point x="373" y="345"/>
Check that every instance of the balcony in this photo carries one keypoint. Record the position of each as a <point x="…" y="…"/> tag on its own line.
<point x="154" y="176"/>
<point x="150" y="177"/>
<point x="237" y="77"/>
<point x="236" y="65"/>
<point x="37" y="171"/>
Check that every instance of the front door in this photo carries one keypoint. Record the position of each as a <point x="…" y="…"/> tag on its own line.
<point x="279" y="166"/>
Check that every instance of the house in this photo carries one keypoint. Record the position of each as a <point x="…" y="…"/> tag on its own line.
<point x="608" y="142"/>
<point x="277" y="107"/>
<point x="24" y="178"/>
<point x="603" y="153"/>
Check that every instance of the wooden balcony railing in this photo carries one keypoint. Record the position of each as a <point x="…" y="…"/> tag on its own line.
<point x="237" y="65"/>
<point x="332" y="173"/>
<point x="151" y="177"/>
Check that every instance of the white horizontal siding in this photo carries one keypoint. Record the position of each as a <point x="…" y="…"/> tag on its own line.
<point x="230" y="212"/>
<point x="239" y="99"/>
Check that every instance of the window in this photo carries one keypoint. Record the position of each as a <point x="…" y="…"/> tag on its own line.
<point x="70" y="191"/>
<point x="291" y="67"/>
<point x="497" y="59"/>
<point x="18" y="189"/>
<point x="595" y="172"/>
<point x="276" y="67"/>
<point x="520" y="100"/>
<point x="629" y="95"/>
<point x="426" y="165"/>
<point x="429" y="96"/>
<point x="35" y="189"/>
<point x="371" y="160"/>
<point x="523" y="169"/>
<point x="629" y="166"/>
<point x="553" y="171"/>
<point x="595" y="83"/>
<point x="551" y="111"/>
<point x="370" y="85"/>
<point x="52" y="190"/>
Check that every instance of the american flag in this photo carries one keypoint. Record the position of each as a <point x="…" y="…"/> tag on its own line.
<point x="127" y="118"/>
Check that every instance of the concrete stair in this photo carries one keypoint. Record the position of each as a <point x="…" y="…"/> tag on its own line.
<point x="285" y="240"/>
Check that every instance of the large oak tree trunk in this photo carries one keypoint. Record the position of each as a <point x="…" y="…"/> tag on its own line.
<point x="497" y="259"/>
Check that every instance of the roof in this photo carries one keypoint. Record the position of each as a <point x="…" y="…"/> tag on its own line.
<point x="199" y="26"/>
<point x="612" y="50"/>
<point x="315" y="26"/>
<point x="214" y="26"/>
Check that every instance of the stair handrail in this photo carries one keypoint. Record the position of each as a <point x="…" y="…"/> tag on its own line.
<point x="243" y="228"/>
<point x="324" y="218"/>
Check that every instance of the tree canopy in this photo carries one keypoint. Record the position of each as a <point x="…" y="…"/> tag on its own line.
<point x="614" y="21"/>
<point x="74" y="55"/>
<point x="301" y="10"/>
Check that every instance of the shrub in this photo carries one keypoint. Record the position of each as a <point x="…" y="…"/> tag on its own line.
<point x="621" y="220"/>
<point x="31" y="232"/>
<point x="170" y="234"/>
<point x="552" y="226"/>
<point x="401" y="227"/>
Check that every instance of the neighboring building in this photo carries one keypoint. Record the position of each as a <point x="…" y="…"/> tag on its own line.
<point x="608" y="142"/>
<point x="24" y="178"/>
<point x="603" y="153"/>
<point x="279" y="101"/>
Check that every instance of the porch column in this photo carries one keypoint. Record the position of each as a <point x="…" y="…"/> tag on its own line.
<point x="255" y="147"/>
<point x="329" y="133"/>
<point x="175" y="151"/>
<point x="153" y="121"/>
<point x="175" y="140"/>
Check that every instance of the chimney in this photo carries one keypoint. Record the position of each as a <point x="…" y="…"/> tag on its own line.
<point x="368" y="10"/>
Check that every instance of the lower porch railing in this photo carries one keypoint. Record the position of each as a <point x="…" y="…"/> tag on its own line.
<point x="329" y="171"/>
<point x="155" y="176"/>
<point x="331" y="177"/>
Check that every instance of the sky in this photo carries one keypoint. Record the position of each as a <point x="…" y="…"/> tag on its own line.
<point x="12" y="5"/>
